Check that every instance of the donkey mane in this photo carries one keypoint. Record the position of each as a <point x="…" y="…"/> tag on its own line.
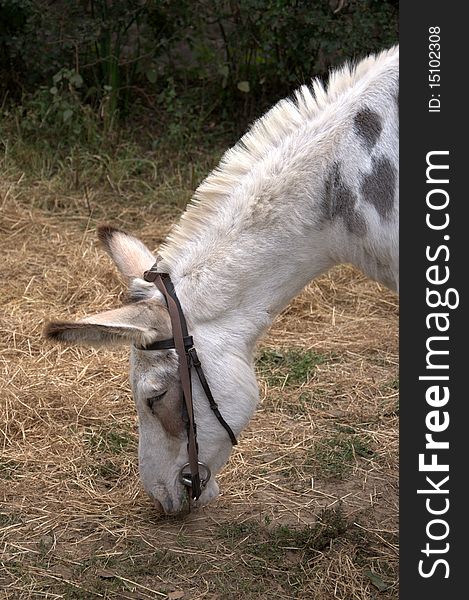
<point x="266" y="135"/>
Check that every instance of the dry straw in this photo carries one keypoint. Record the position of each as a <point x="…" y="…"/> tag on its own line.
<point x="74" y="520"/>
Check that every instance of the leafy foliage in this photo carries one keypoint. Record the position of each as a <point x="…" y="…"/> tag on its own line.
<point x="269" y="47"/>
<point x="234" y="56"/>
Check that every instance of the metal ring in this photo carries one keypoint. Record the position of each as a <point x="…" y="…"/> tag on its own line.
<point x="186" y="479"/>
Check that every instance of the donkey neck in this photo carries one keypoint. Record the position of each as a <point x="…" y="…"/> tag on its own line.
<point x="291" y="200"/>
<point x="238" y="279"/>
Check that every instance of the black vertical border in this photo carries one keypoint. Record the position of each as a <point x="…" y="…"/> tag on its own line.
<point x="420" y="133"/>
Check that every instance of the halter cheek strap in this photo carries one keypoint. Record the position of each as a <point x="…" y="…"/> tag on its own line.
<point x="184" y="345"/>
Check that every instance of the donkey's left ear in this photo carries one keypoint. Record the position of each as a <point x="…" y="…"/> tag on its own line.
<point x="130" y="255"/>
<point x="141" y="323"/>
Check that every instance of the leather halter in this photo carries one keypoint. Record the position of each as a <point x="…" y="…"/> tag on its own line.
<point x="184" y="345"/>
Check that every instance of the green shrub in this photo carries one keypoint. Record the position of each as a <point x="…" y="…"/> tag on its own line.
<point x="234" y="57"/>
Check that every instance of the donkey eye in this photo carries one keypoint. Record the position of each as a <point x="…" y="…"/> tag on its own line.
<point x="154" y="399"/>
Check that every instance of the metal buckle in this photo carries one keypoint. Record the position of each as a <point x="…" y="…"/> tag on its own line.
<point x="195" y="362"/>
<point x="185" y="475"/>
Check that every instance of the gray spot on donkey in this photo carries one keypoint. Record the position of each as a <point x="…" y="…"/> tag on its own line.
<point x="378" y="188"/>
<point x="368" y="126"/>
<point x="339" y="201"/>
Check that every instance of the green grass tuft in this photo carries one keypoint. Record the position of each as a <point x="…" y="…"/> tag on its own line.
<point x="115" y="441"/>
<point x="335" y="456"/>
<point x="288" y="367"/>
<point x="271" y="543"/>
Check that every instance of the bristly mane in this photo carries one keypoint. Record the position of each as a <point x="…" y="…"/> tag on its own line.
<point x="265" y="135"/>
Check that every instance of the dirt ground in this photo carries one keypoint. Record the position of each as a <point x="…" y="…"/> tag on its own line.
<point x="309" y="499"/>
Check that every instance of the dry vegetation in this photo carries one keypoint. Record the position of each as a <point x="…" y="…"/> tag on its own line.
<point x="309" y="498"/>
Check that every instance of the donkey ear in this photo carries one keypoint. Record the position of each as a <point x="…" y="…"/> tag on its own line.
<point x="130" y="255"/>
<point x="141" y="323"/>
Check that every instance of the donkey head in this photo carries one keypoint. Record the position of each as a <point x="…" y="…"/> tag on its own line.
<point x="153" y="376"/>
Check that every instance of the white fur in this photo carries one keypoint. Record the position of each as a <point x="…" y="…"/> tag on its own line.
<point x="251" y="239"/>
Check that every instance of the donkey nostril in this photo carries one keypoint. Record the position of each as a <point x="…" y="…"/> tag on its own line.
<point x="164" y="505"/>
<point x="157" y="504"/>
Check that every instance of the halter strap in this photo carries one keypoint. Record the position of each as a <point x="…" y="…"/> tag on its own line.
<point x="213" y="405"/>
<point x="184" y="345"/>
<point x="168" y="344"/>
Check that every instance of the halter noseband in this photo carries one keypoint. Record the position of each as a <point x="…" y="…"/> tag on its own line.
<point x="183" y="343"/>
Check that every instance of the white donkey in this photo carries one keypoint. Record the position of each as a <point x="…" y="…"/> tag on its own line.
<point x="313" y="184"/>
